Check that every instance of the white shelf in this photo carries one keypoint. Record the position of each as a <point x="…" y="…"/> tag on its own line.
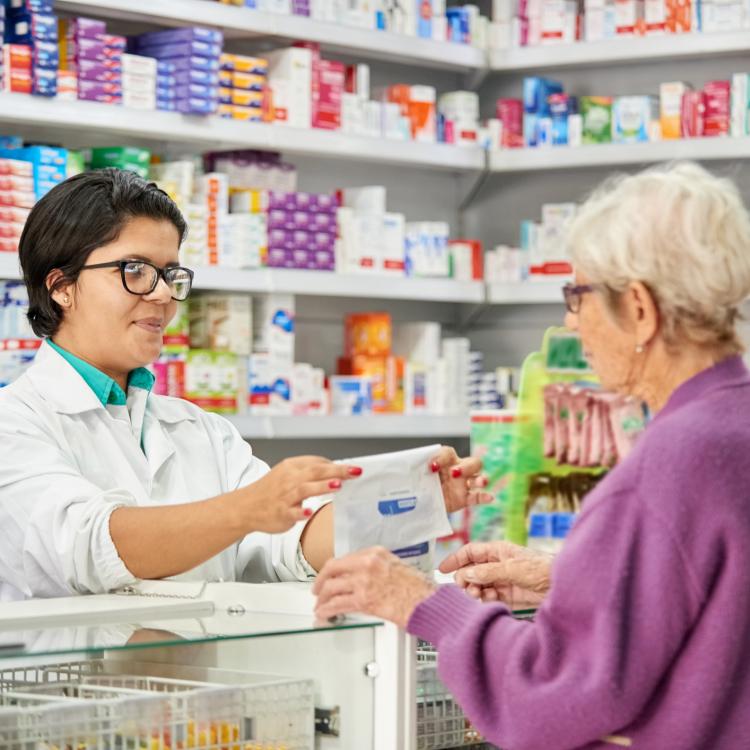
<point x="329" y="284"/>
<point x="532" y="293"/>
<point x="381" y="426"/>
<point x="612" y="154"/>
<point x="244" y="23"/>
<point x="9" y="268"/>
<point x="315" y="284"/>
<point x="627" y="49"/>
<point x="86" y="122"/>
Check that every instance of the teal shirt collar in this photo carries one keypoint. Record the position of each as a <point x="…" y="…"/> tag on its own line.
<point x="105" y="388"/>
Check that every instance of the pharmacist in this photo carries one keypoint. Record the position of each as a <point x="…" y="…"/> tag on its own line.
<point x="642" y="639"/>
<point x="102" y="483"/>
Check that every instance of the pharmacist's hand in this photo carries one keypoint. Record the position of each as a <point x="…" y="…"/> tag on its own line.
<point x="274" y="503"/>
<point x="501" y="571"/>
<point x="373" y="582"/>
<point x="461" y="478"/>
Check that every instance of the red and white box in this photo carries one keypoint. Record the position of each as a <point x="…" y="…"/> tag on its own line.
<point x="717" y="97"/>
<point x="331" y="79"/>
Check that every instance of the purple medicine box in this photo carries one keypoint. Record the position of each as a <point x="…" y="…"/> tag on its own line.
<point x="278" y="201"/>
<point x="95" y="88"/>
<point x="280" y="257"/>
<point x="87" y="49"/>
<point x="323" y="223"/>
<point x="202" y="77"/>
<point x="279" y="218"/>
<point x="280" y="238"/>
<point x="181" y="49"/>
<point x="193" y="33"/>
<point x="325" y="203"/>
<point x="90" y="28"/>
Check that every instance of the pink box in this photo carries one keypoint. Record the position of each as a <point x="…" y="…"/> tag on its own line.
<point x="692" y="114"/>
<point x="510" y="114"/>
<point x="327" y="94"/>
<point x="717" y="100"/>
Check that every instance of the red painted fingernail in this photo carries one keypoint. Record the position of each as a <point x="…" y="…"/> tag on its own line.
<point x="456" y="472"/>
<point x="355" y="471"/>
<point x="435" y="467"/>
<point x="335" y="484"/>
<point x="307" y="512"/>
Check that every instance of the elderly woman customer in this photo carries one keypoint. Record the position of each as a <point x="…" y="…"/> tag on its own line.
<point x="641" y="638"/>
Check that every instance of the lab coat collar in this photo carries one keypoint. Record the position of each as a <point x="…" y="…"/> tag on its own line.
<point x="59" y="384"/>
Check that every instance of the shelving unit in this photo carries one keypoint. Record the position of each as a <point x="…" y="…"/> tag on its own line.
<point x="87" y="122"/>
<point x="382" y="426"/>
<point x="9" y="268"/>
<point x="613" y="154"/>
<point x="612" y="51"/>
<point x="326" y="284"/>
<point x="247" y="23"/>
<point x="524" y="294"/>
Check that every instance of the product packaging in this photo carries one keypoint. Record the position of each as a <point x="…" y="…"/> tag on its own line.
<point x="397" y="503"/>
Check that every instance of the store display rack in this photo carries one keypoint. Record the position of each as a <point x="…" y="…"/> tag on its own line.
<point x="616" y="51"/>
<point x="541" y="293"/>
<point x="614" y="154"/>
<point x="247" y="23"/>
<point x="91" y="121"/>
<point x="382" y="426"/>
<point x="316" y="284"/>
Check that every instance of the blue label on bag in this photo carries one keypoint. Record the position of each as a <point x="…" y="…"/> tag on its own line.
<point x="396" y="506"/>
<point x="414" y="551"/>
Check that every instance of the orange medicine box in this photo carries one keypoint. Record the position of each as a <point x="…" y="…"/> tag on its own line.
<point x="368" y="334"/>
<point x="679" y="16"/>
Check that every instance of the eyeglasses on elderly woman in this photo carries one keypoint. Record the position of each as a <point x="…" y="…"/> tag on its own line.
<point x="573" y="294"/>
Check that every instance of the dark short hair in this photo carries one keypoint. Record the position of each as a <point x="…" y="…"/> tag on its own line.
<point x="75" y="218"/>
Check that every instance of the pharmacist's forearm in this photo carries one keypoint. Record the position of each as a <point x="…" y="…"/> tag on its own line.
<point x="168" y="540"/>
<point x="317" y="538"/>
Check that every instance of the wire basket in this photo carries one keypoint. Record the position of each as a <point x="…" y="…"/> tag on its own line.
<point x="441" y="722"/>
<point x="143" y="706"/>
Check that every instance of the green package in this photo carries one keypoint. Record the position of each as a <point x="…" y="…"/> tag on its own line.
<point x="135" y="159"/>
<point x="596" y="113"/>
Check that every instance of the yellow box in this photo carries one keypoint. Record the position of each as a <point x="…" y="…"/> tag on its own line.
<point x="247" y="98"/>
<point x="250" y="114"/>
<point x="249" y="81"/>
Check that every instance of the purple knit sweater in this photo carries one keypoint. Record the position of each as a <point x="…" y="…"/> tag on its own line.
<point x="644" y="638"/>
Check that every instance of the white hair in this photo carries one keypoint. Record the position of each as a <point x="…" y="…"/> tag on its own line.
<point x="684" y="233"/>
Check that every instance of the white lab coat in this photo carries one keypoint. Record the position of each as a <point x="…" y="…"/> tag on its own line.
<point x="66" y="463"/>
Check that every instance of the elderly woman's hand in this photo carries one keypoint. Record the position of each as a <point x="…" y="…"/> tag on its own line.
<point x="461" y="479"/>
<point x="373" y="582"/>
<point x="501" y="571"/>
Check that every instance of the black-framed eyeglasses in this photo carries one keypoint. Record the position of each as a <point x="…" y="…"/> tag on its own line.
<point x="141" y="277"/>
<point x="573" y="293"/>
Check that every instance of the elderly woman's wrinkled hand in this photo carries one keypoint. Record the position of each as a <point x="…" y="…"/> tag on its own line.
<point x="461" y="479"/>
<point x="373" y="582"/>
<point x="501" y="571"/>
